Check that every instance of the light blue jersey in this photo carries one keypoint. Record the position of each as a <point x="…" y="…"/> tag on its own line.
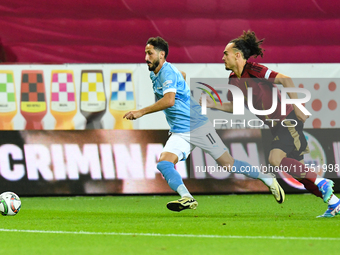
<point x="185" y="115"/>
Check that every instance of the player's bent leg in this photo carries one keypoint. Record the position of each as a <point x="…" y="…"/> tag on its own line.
<point x="237" y="166"/>
<point x="324" y="189"/>
<point x="300" y="171"/>
<point x="248" y="170"/>
<point x="166" y="166"/>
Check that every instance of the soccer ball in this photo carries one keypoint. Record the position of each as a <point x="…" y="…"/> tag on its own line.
<point x="10" y="203"/>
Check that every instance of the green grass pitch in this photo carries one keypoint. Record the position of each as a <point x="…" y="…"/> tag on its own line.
<point x="222" y="224"/>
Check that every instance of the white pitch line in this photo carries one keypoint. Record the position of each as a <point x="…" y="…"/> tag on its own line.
<point x="169" y="235"/>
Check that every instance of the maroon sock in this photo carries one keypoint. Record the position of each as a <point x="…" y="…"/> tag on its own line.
<point x="297" y="169"/>
<point x="311" y="187"/>
<point x="302" y="174"/>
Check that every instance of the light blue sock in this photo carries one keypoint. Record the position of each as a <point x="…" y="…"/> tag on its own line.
<point x="242" y="167"/>
<point x="170" y="174"/>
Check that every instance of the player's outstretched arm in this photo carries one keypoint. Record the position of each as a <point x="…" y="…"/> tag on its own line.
<point x="168" y="100"/>
<point x="226" y="107"/>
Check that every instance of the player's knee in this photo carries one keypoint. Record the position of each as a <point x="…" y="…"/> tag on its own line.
<point x="226" y="160"/>
<point x="160" y="165"/>
<point x="276" y="156"/>
<point x="274" y="161"/>
<point x="163" y="165"/>
<point x="228" y="166"/>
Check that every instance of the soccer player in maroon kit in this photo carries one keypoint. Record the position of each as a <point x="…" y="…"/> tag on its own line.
<point x="289" y="143"/>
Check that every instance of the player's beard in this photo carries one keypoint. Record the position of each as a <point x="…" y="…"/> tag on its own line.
<point x="154" y="65"/>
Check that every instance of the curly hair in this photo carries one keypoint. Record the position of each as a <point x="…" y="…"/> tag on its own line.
<point x="159" y="43"/>
<point x="248" y="44"/>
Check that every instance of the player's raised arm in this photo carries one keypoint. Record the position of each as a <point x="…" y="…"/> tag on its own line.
<point x="168" y="100"/>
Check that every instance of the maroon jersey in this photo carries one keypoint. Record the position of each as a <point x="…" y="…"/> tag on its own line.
<point x="261" y="79"/>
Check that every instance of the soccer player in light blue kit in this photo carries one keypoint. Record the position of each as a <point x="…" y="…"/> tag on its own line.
<point x="188" y="126"/>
